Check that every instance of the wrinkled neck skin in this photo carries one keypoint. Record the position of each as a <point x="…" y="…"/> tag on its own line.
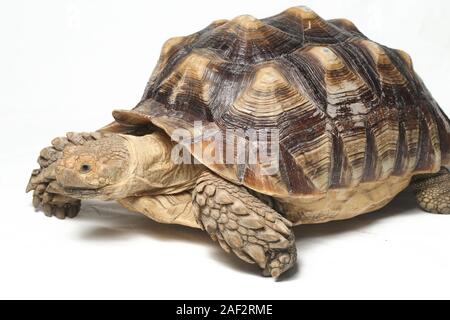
<point x="151" y="171"/>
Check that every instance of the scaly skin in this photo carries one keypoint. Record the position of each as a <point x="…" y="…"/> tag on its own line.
<point x="244" y="225"/>
<point x="433" y="191"/>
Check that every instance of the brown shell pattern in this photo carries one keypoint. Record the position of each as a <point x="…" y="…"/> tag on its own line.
<point x="348" y="109"/>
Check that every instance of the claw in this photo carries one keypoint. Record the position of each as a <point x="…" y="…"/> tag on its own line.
<point x="72" y="211"/>
<point x="30" y="186"/>
<point x="280" y="262"/>
<point x="48" y="210"/>
<point x="60" y="213"/>
<point x="36" y="202"/>
<point x="275" y="273"/>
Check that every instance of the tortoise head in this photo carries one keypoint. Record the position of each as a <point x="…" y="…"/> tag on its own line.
<point x="97" y="169"/>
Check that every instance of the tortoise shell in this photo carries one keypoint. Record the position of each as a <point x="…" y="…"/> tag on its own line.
<point x="348" y="110"/>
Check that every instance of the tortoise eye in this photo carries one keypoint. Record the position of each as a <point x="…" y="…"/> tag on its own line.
<point x="85" y="168"/>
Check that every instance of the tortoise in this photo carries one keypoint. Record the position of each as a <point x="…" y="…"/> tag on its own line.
<point x="354" y="126"/>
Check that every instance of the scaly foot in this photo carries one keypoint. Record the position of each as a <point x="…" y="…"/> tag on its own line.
<point x="433" y="191"/>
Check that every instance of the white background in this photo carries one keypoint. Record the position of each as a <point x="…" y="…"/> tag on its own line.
<point x="65" y="65"/>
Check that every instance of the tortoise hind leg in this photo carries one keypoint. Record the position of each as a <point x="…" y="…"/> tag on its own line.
<point x="433" y="191"/>
<point x="244" y="225"/>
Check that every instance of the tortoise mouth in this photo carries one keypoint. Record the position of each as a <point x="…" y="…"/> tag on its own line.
<point x="84" y="193"/>
<point x="86" y="190"/>
<point x="75" y="192"/>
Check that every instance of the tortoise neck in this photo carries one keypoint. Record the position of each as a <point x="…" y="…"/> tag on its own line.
<point x="152" y="170"/>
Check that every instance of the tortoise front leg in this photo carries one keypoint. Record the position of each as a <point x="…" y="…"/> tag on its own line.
<point x="54" y="204"/>
<point x="244" y="225"/>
